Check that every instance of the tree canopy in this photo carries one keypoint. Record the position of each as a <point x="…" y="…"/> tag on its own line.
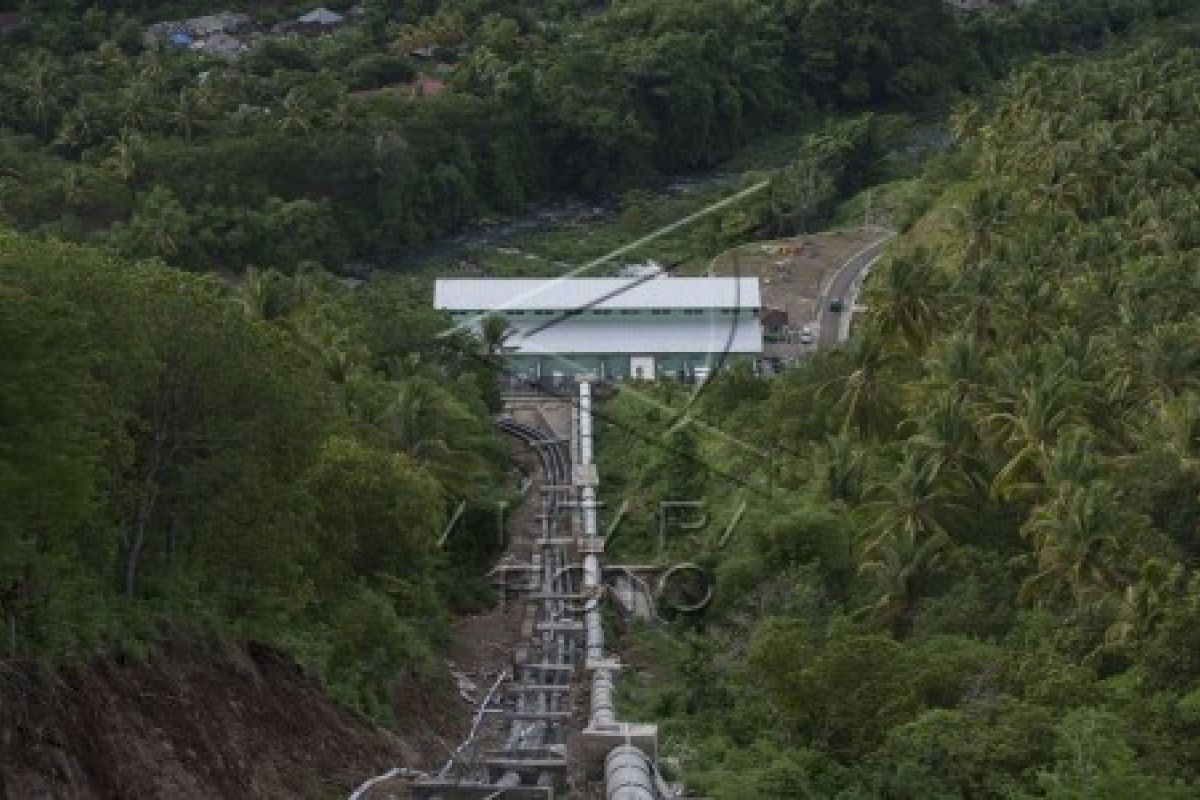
<point x="231" y="456"/>
<point x="966" y="563"/>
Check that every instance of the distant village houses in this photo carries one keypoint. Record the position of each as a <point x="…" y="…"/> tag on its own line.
<point x="230" y="33"/>
<point x="196" y="29"/>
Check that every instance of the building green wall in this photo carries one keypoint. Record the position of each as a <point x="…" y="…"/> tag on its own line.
<point x="618" y="365"/>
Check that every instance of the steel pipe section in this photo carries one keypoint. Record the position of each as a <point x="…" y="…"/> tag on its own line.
<point x="587" y="456"/>
<point x="593" y="624"/>
<point x="589" y="506"/>
<point x="628" y="775"/>
<point x="594" y="627"/>
<point x="585" y="423"/>
<point x="604" y="713"/>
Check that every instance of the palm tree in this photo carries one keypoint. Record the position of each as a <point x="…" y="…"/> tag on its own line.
<point x="895" y="567"/>
<point x="1071" y="541"/>
<point x="1029" y="301"/>
<point x="125" y="158"/>
<point x="1026" y="430"/>
<point x="210" y="96"/>
<point x="903" y="298"/>
<point x="295" y="116"/>
<point x="341" y="112"/>
<point x="136" y="100"/>
<point x="1179" y="430"/>
<point x="975" y="293"/>
<point x="74" y="187"/>
<point x="1141" y="606"/>
<point x="867" y="399"/>
<point x="1172" y="359"/>
<point x="844" y="470"/>
<point x="947" y="442"/>
<point x="187" y="112"/>
<point x="81" y="126"/>
<point x="912" y="503"/>
<point x="153" y="67"/>
<point x="161" y="222"/>
<point x="41" y="84"/>
<point x="494" y="330"/>
<point x="433" y="427"/>
<point x="979" y="222"/>
<point x="1072" y="465"/>
<point x="329" y="345"/>
<point x="957" y="365"/>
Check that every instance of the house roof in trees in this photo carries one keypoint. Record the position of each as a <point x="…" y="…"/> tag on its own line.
<point x="321" y="16"/>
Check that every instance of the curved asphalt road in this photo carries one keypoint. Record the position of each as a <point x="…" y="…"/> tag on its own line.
<point x="843" y="285"/>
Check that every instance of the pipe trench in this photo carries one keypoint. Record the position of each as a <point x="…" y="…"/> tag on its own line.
<point x="539" y="702"/>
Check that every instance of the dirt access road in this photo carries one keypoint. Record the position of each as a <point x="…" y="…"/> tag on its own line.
<point x="796" y="274"/>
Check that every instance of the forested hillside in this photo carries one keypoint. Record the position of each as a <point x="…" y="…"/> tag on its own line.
<point x="310" y="149"/>
<point x="967" y="565"/>
<point x="275" y="461"/>
<point x="967" y="562"/>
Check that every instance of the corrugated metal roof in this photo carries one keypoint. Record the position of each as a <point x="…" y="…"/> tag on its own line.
<point x="710" y="333"/>
<point x="321" y="16"/>
<point x="565" y="294"/>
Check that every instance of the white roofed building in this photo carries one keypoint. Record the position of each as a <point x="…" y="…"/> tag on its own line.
<point x="614" y="328"/>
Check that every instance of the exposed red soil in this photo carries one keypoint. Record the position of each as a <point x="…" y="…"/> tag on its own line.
<point x="202" y="720"/>
<point x="195" y="720"/>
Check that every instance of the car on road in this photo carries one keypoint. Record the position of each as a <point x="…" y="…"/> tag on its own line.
<point x="806" y="335"/>
<point x="837" y="305"/>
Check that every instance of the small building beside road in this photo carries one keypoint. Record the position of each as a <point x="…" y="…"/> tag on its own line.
<point x="613" y="328"/>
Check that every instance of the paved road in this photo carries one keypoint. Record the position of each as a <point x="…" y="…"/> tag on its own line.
<point x="842" y="285"/>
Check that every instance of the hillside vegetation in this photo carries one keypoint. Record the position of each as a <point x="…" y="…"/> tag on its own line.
<point x="290" y="154"/>
<point x="967" y="562"/>
<point x="275" y="461"/>
<point x="967" y="565"/>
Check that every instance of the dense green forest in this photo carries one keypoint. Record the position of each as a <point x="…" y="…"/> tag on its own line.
<point x="286" y="156"/>
<point x="275" y="461"/>
<point x="967" y="565"/>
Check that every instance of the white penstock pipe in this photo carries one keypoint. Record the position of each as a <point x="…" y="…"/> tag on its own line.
<point x="628" y="775"/>
<point x="592" y="622"/>
<point x="603" y="713"/>
<point x="585" y="423"/>
<point x="589" y="512"/>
